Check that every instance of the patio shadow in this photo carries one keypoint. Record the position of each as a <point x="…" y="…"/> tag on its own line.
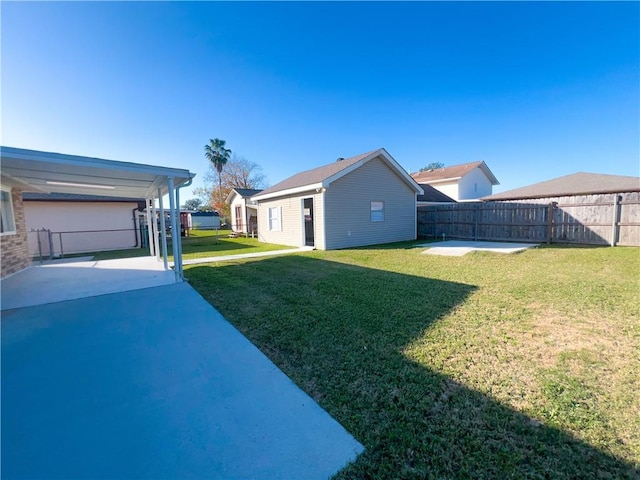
<point x="340" y="332"/>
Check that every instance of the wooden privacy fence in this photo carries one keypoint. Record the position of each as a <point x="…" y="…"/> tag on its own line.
<point x="603" y="219"/>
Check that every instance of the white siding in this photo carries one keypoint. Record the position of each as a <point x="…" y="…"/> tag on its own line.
<point x="292" y="220"/>
<point x="244" y="221"/>
<point x="82" y="216"/>
<point x="348" y="208"/>
<point x="474" y="185"/>
<point x="450" y="189"/>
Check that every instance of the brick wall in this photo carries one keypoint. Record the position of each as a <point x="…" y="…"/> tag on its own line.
<point x="13" y="248"/>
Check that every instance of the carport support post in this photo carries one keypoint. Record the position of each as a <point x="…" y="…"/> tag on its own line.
<point x="163" y="234"/>
<point x="175" y="231"/>
<point x="177" y="255"/>
<point x="152" y="251"/>
<point x="154" y="229"/>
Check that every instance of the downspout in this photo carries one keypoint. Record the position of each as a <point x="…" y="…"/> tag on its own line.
<point x="135" y="226"/>
<point x="177" y="256"/>
<point x="150" y="229"/>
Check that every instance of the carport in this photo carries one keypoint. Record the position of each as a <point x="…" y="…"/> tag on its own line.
<point x="121" y="372"/>
<point x="61" y="173"/>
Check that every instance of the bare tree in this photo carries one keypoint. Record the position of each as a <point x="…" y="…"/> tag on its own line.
<point x="242" y="173"/>
<point x="238" y="173"/>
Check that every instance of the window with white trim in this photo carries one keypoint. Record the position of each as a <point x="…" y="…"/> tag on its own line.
<point x="377" y="211"/>
<point x="275" y="222"/>
<point x="7" y="218"/>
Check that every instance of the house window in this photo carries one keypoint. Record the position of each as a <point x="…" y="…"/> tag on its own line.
<point x="275" y="224"/>
<point x="377" y="211"/>
<point x="7" y="219"/>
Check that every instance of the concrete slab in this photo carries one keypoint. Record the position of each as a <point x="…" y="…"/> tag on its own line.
<point x="153" y="383"/>
<point x="457" y="248"/>
<point x="60" y="281"/>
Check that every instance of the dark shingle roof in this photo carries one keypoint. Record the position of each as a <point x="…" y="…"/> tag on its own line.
<point x="580" y="183"/>
<point x="247" y="192"/>
<point x="75" y="197"/>
<point x="316" y="175"/>
<point x="433" y="195"/>
<point x="455" y="171"/>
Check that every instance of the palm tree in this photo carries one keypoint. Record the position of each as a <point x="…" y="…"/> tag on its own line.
<point x="218" y="156"/>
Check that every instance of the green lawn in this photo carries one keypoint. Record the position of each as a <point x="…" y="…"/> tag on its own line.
<point x="482" y="366"/>
<point x="201" y="244"/>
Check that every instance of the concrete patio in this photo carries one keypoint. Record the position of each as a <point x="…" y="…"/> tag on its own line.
<point x="458" y="248"/>
<point x="69" y="279"/>
<point x="150" y="383"/>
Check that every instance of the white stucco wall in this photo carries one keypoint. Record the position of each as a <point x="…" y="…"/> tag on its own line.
<point x="474" y="185"/>
<point x="81" y="216"/>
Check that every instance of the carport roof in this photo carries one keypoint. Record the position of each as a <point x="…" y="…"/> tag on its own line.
<point x="61" y="173"/>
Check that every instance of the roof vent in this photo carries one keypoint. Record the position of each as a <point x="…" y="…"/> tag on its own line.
<point x="340" y="159"/>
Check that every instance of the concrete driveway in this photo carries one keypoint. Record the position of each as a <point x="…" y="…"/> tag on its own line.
<point x="153" y="383"/>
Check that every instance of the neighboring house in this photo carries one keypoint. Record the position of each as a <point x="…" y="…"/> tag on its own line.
<point x="14" y="252"/>
<point x="588" y="208"/>
<point x="469" y="181"/>
<point x="244" y="213"/>
<point x="363" y="200"/>
<point x="205" y="220"/>
<point x="432" y="196"/>
<point x="81" y="223"/>
<point x="580" y="183"/>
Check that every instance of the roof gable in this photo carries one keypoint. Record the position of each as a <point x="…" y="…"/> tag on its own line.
<point x="455" y="172"/>
<point x="580" y="183"/>
<point x="432" y="194"/>
<point x="322" y="177"/>
<point x="243" y="192"/>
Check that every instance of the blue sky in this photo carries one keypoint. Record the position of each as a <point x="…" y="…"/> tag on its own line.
<point x="536" y="90"/>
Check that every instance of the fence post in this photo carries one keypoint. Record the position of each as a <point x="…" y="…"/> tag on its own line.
<point x="550" y="222"/>
<point x="51" y="251"/>
<point x="614" y="223"/>
<point x="475" y="228"/>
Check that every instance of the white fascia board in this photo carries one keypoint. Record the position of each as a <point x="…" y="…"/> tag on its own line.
<point x="489" y="174"/>
<point x="401" y="171"/>
<point x="430" y="204"/>
<point x="288" y="192"/>
<point x="442" y="180"/>
<point x="75" y="160"/>
<point x="13" y="182"/>
<point x="231" y="196"/>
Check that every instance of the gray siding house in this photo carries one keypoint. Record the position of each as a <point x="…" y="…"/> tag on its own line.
<point x="363" y="200"/>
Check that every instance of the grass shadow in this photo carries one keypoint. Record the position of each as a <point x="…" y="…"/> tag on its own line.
<point x="341" y="332"/>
